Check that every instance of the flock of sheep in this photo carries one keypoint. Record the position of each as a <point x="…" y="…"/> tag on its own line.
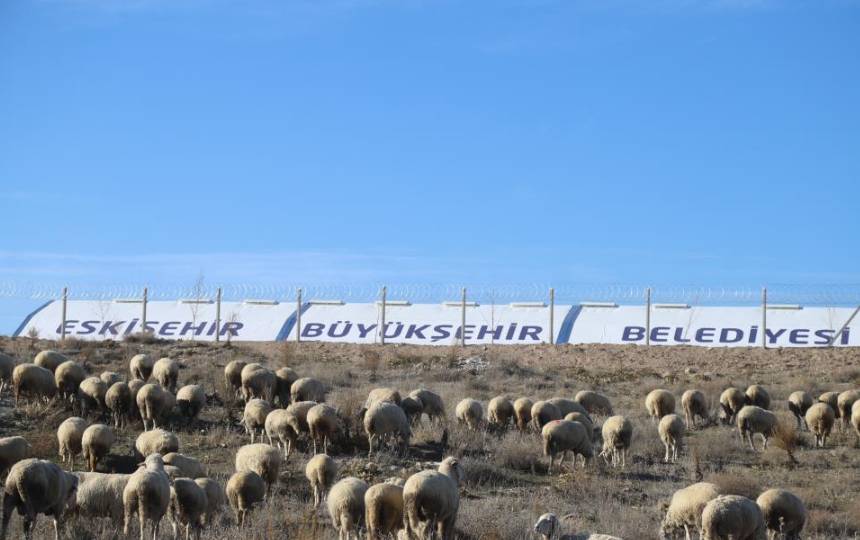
<point x="286" y="407"/>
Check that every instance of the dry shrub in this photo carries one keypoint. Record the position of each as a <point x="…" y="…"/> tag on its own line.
<point x="737" y="483"/>
<point x="519" y="452"/>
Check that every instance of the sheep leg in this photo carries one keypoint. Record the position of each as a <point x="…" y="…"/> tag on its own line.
<point x="765" y="441"/>
<point x="666" y="456"/>
<point x="8" y="508"/>
<point x="155" y="526"/>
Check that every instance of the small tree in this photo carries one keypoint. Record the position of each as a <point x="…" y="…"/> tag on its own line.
<point x="198" y="292"/>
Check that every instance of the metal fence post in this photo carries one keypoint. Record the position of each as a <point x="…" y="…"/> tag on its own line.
<point x="65" y="303"/>
<point x="218" y="316"/>
<point x="648" y="316"/>
<point x="143" y="315"/>
<point x="382" y="326"/>
<point x="551" y="316"/>
<point x="463" y="320"/>
<point x="299" y="316"/>
<point x="843" y="327"/>
<point x="764" y="317"/>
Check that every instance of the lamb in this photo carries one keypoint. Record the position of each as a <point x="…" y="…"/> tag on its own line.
<point x="321" y="470"/>
<point x="383" y="515"/>
<point x="233" y="376"/>
<point x="68" y="377"/>
<point x="798" y="403"/>
<point x="190" y="399"/>
<point x="323" y="425"/>
<point x="154" y="403"/>
<point x="70" y="436"/>
<point x="100" y="495"/>
<point x="147" y="494"/>
<point x="284" y="379"/>
<point x="548" y="526"/>
<point x="156" y="441"/>
<point x="500" y="411"/>
<point x="752" y="420"/>
<point x="261" y="459"/>
<point x="385" y="420"/>
<point x="659" y="403"/>
<point x="7" y="366"/>
<point x="166" y="372"/>
<point x="278" y="429"/>
<point x="685" y="509"/>
<point x="37" y="487"/>
<point x="432" y="404"/>
<point x="543" y="412"/>
<point x="523" y="412"/>
<point x="671" y="429"/>
<point x="96" y="443"/>
<point x="13" y="450"/>
<point x="784" y="513"/>
<point x="844" y="402"/>
<point x="33" y="381"/>
<point x="215" y="497"/>
<point x="91" y="395"/>
<point x="187" y="465"/>
<point x="566" y="406"/>
<point x="470" y="412"/>
<point x="732" y="516"/>
<point x="345" y="503"/>
<point x="258" y="382"/>
<point x="820" y="418"/>
<point x="49" y="360"/>
<point x="254" y="417"/>
<point x="562" y="436"/>
<point x="307" y="389"/>
<point x="594" y="402"/>
<point x="245" y="490"/>
<point x="694" y="404"/>
<point x="110" y="377"/>
<point x="758" y="396"/>
<point x="187" y="507"/>
<point x="617" y="433"/>
<point x="141" y="366"/>
<point x="584" y="420"/>
<point x="118" y="401"/>
<point x="431" y="500"/>
<point x="832" y="399"/>
<point x="732" y="400"/>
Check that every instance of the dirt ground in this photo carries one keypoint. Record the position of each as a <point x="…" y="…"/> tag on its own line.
<point x="507" y="486"/>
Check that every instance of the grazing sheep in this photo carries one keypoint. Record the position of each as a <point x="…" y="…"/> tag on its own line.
<point x="37" y="487"/>
<point x="284" y="379"/>
<point x="432" y="404"/>
<point x="500" y="411"/>
<point x="732" y="400"/>
<point x="844" y="402"/>
<point x="470" y="412"/>
<point x="390" y="395"/>
<point x="147" y="494"/>
<point x="154" y="403"/>
<point x="33" y="381"/>
<point x="431" y="500"/>
<point x="757" y="396"/>
<point x="13" y="450"/>
<point x="91" y="395"/>
<point x="671" y="429"/>
<point x="156" y="441"/>
<point x="187" y="465"/>
<point x="583" y="419"/>
<point x="548" y="526"/>
<point x="254" y="417"/>
<point x="68" y="377"/>
<point x="134" y="386"/>
<point x="245" y="490"/>
<point x="345" y="504"/>
<point x="258" y="382"/>
<point x="566" y="406"/>
<point x="297" y="416"/>
<point x="732" y="517"/>
<point x="215" y="498"/>
<point x="523" y="412"/>
<point x="383" y="515"/>
<point x="543" y="412"/>
<point x="49" y="360"/>
<point x="752" y="420"/>
<point x="694" y="404"/>
<point x="685" y="509"/>
<point x="190" y="399"/>
<point x="323" y="425"/>
<point x="100" y="495"/>
<point x="70" y="436"/>
<point x="96" y="443"/>
<point x="320" y="471"/>
<point x="784" y="513"/>
<point x="798" y="403"/>
<point x="617" y="433"/>
<point x="110" y="377"/>
<point x="832" y="399"/>
<point x="141" y="366"/>
<point x="278" y="429"/>
<point x="820" y="418"/>
<point x="263" y="460"/>
<point x="166" y="373"/>
<point x="855" y="418"/>
<point x="118" y="402"/>
<point x="413" y="408"/>
<point x="563" y="436"/>
<point x="233" y="376"/>
<point x="594" y="402"/>
<point x="384" y="420"/>
<point x="187" y="507"/>
<point x="659" y="403"/>
<point x="307" y="389"/>
<point x="7" y="366"/>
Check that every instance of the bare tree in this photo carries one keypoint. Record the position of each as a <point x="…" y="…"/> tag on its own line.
<point x="198" y="292"/>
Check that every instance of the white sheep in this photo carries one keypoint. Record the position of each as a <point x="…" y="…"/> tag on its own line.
<point x="100" y="495"/>
<point x="732" y="400"/>
<point x="798" y="403"/>
<point x="258" y="382"/>
<point x="390" y="395"/>
<point x="500" y="412"/>
<point x="345" y="503"/>
<point x="254" y="417"/>
<point x="261" y="459"/>
<point x="432" y="403"/>
<point x="671" y="429"/>
<point x="383" y="510"/>
<point x="70" y="434"/>
<point x="694" y="404"/>
<point x="33" y="381"/>
<point x="820" y="419"/>
<point x="279" y="431"/>
<point x="188" y="466"/>
<point x="147" y="494"/>
<point x="594" y="402"/>
<point x="323" y="425"/>
<point x="384" y="420"/>
<point x="284" y="379"/>
<point x="617" y="432"/>
<point x="190" y="400"/>
<point x="784" y="513"/>
<point x="166" y="372"/>
<point x="567" y="406"/>
<point x="321" y="470"/>
<point x="583" y="419"/>
<point x="732" y="516"/>
<point x="543" y="412"/>
<point x="110" y="377"/>
<point x="549" y="527"/>
<point x="156" y="441"/>
<point x="49" y="360"/>
<point x="245" y="490"/>
<point x="187" y="507"/>
<point x="413" y="408"/>
<point x="855" y="418"/>
<point x="118" y="402"/>
<point x="844" y="402"/>
<point x="685" y="509"/>
<point x="758" y="396"/>
<point x="752" y="420"/>
<point x="154" y="403"/>
<point x="431" y="501"/>
<point x="233" y="376"/>
<point x="96" y="443"/>
<point x="523" y="412"/>
<point x="134" y="386"/>
<point x="7" y="366"/>
<point x="307" y="389"/>
<point x="140" y="366"/>
<point x="832" y="399"/>
<point x="563" y="436"/>
<point x="12" y="450"/>
<point x="91" y="395"/>
<point x="659" y="403"/>
<point x="470" y="412"/>
<point x="215" y="498"/>
<point x="297" y="416"/>
<point x="68" y="377"/>
<point x="36" y="487"/>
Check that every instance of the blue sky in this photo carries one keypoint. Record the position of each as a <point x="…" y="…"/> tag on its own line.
<point x="362" y="141"/>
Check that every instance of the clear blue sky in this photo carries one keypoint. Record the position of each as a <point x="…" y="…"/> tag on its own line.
<point x="509" y="141"/>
